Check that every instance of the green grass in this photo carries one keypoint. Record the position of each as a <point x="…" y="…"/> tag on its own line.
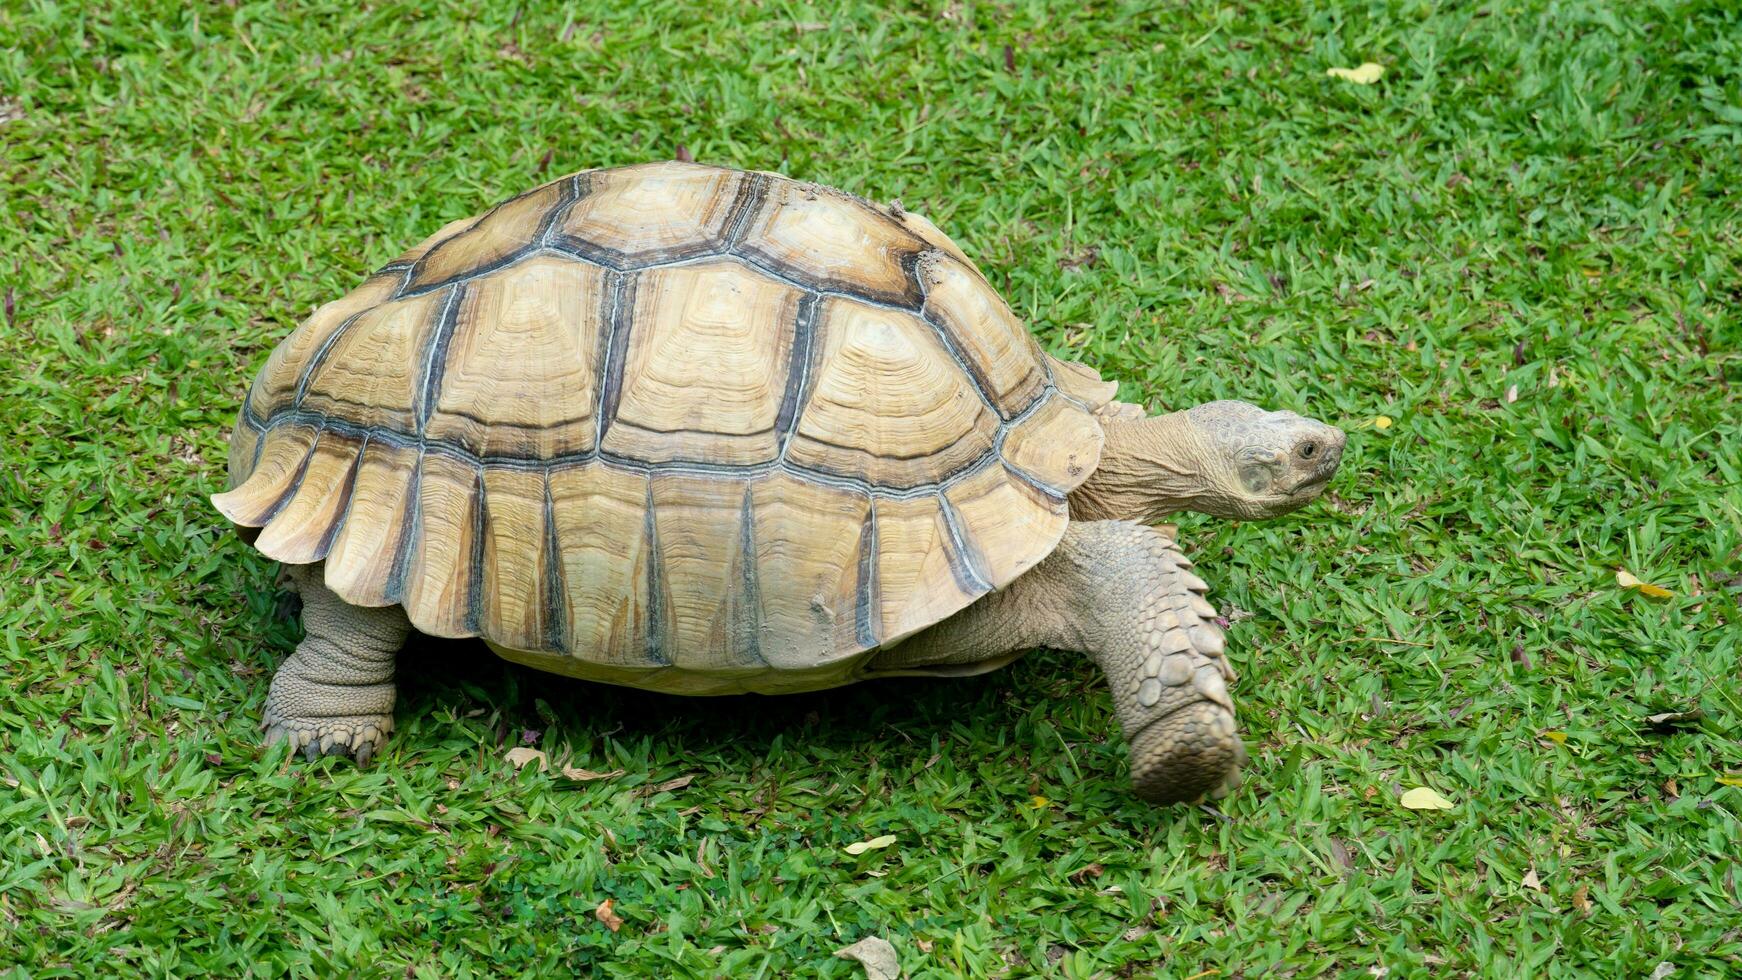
<point x="1537" y="198"/>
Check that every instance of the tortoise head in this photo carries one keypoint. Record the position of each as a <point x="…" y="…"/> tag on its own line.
<point x="1256" y="464"/>
<point x="1227" y="459"/>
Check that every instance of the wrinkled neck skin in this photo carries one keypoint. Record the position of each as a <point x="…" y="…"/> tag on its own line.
<point x="1149" y="468"/>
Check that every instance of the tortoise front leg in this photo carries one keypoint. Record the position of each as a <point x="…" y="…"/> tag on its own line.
<point x="334" y="695"/>
<point x="1123" y="594"/>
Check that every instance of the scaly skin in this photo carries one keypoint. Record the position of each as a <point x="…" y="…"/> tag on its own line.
<point x="1227" y="458"/>
<point x="334" y="695"/>
<point x="1124" y="595"/>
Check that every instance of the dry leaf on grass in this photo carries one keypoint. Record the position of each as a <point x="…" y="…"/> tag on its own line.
<point x="1422" y="798"/>
<point x="1531" y="881"/>
<point x="1082" y="875"/>
<point x="520" y="755"/>
<point x="1670" y="719"/>
<point x="870" y="845"/>
<point x="1366" y="74"/>
<point x="604" y="914"/>
<point x="588" y="775"/>
<point x="876" y="956"/>
<point x="1627" y="580"/>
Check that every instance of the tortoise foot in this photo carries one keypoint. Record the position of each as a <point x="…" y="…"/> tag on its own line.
<point x="359" y="736"/>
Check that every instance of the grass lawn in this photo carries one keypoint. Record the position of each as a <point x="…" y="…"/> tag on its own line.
<point x="1511" y="268"/>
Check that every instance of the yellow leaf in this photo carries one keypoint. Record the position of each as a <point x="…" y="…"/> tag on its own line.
<point x="1531" y="881"/>
<point x="1040" y="802"/>
<point x="1558" y="738"/>
<point x="1366" y="74"/>
<point x="1627" y="580"/>
<point x="1382" y="422"/>
<point x="1735" y="780"/>
<point x="871" y="845"/>
<point x="1422" y="798"/>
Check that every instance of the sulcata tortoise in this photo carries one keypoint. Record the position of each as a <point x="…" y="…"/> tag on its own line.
<point x="707" y="431"/>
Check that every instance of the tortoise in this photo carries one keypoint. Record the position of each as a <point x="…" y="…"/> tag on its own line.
<point x="706" y="431"/>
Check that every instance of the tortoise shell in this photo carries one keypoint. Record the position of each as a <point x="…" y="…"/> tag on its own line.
<point x="666" y="418"/>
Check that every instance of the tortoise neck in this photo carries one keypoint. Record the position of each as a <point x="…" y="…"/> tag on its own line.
<point x="1149" y="468"/>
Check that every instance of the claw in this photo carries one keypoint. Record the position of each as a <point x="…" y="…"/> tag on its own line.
<point x="1208" y="639"/>
<point x="1208" y="682"/>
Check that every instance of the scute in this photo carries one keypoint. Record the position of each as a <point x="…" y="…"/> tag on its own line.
<point x="510" y="228"/>
<point x="995" y="346"/>
<point x="521" y="362"/>
<point x="364" y="554"/>
<point x="655" y="213"/>
<point x="706" y="366"/>
<point x="829" y="241"/>
<point x="680" y="427"/>
<point x="889" y="405"/>
<point x="276" y="384"/>
<point x="372" y="375"/>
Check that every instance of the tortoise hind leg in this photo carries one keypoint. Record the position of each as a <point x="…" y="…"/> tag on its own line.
<point x="1124" y="595"/>
<point x="334" y="695"/>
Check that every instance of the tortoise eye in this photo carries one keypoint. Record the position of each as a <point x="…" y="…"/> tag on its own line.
<point x="1307" y="449"/>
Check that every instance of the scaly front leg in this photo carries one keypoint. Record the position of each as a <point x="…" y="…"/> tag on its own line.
<point x="1124" y="595"/>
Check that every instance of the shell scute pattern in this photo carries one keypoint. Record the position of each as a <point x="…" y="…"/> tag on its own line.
<point x="667" y="415"/>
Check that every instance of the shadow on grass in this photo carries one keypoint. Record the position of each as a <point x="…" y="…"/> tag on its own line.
<point x="463" y="676"/>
